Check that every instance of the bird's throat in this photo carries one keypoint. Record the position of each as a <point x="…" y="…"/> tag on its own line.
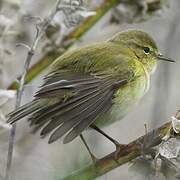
<point x="147" y="77"/>
<point x="145" y="73"/>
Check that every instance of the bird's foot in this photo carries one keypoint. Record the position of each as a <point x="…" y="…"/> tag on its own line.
<point x="119" y="147"/>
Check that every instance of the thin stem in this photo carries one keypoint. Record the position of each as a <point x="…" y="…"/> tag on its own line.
<point x="39" y="35"/>
<point x="18" y="103"/>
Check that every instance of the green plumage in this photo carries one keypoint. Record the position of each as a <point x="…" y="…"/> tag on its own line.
<point x="96" y="84"/>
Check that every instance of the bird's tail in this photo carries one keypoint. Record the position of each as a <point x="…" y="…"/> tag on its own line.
<point x="23" y="111"/>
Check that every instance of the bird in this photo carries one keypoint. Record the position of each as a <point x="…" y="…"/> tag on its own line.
<point x="91" y="87"/>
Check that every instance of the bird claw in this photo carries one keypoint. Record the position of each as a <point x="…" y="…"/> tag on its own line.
<point x="119" y="147"/>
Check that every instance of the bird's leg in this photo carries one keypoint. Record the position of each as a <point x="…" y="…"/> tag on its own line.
<point x="116" y="143"/>
<point x="94" y="159"/>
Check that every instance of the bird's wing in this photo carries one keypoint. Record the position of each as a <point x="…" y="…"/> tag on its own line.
<point x="82" y="98"/>
<point x="90" y="96"/>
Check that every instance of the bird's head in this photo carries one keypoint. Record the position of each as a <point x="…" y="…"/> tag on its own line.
<point x="143" y="46"/>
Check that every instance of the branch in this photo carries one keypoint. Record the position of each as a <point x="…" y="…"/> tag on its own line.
<point x="128" y="153"/>
<point x="76" y="34"/>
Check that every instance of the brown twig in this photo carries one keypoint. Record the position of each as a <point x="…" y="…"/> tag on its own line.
<point x="128" y="153"/>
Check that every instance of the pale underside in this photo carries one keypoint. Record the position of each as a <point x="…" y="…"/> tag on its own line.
<point x="125" y="98"/>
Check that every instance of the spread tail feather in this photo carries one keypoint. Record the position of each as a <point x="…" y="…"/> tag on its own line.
<point x="23" y="111"/>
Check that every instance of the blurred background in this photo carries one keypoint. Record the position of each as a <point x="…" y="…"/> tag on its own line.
<point x="34" y="158"/>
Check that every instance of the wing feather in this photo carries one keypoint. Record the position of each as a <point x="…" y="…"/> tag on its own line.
<point x="79" y="100"/>
<point x="77" y="119"/>
<point x="63" y="107"/>
<point x="23" y="111"/>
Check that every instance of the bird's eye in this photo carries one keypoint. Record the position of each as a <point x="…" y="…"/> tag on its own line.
<point x="146" y="50"/>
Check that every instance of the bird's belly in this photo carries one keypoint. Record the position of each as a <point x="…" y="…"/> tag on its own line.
<point x="125" y="98"/>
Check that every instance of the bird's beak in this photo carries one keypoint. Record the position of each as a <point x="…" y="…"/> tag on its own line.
<point x="163" y="58"/>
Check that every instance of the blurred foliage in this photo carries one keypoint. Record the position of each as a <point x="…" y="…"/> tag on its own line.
<point x="137" y="11"/>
